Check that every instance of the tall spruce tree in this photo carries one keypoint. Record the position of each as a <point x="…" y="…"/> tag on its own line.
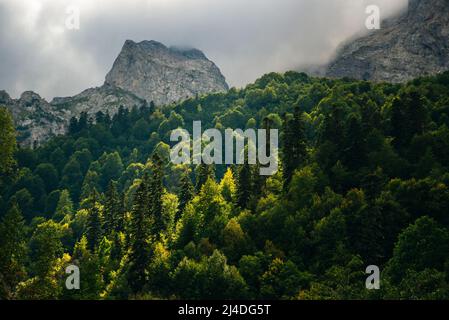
<point x="121" y="212"/>
<point x="13" y="250"/>
<point x="94" y="230"/>
<point x="244" y="186"/>
<point x="139" y="253"/>
<point x="294" y="145"/>
<point x="155" y="191"/>
<point x="186" y="193"/>
<point x="203" y="172"/>
<point x="111" y="209"/>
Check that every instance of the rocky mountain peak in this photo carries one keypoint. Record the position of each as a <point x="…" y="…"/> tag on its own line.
<point x="157" y="73"/>
<point x="416" y="43"/>
<point x="147" y="70"/>
<point x="189" y="53"/>
<point x="30" y="98"/>
<point x="5" y="99"/>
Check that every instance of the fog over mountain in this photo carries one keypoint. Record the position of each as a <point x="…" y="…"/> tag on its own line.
<point x="411" y="45"/>
<point x="244" y="38"/>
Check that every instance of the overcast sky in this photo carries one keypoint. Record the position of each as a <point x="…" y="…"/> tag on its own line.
<point x="245" y="38"/>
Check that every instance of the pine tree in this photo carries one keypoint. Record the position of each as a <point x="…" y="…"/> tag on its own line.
<point x="111" y="209"/>
<point x="244" y="186"/>
<point x="94" y="230"/>
<point x="258" y="186"/>
<point x="294" y="151"/>
<point x="13" y="250"/>
<point x="186" y="193"/>
<point x="203" y="172"/>
<point x="228" y="186"/>
<point x="138" y="255"/>
<point x="155" y="191"/>
<point x="121" y="212"/>
<point x="64" y="206"/>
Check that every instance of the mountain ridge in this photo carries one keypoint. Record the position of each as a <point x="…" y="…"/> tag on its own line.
<point x="37" y="120"/>
<point x="163" y="74"/>
<point x="410" y="45"/>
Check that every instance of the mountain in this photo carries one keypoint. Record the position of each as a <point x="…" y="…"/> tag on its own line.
<point x="143" y="71"/>
<point x="415" y="43"/>
<point x="106" y="99"/>
<point x="35" y="119"/>
<point x="164" y="75"/>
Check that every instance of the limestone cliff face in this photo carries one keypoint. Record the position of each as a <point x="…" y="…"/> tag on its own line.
<point x="143" y="71"/>
<point x="106" y="99"/>
<point x="35" y="119"/>
<point x="414" y="44"/>
<point x="164" y="75"/>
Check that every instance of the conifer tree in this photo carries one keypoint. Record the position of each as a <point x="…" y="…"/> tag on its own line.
<point x="244" y="186"/>
<point x="294" y="151"/>
<point x="186" y="193"/>
<point x="155" y="191"/>
<point x="111" y="209"/>
<point x="138" y="255"/>
<point x="121" y="212"/>
<point x="7" y="141"/>
<point x="64" y="206"/>
<point x="13" y="250"/>
<point x="94" y="230"/>
<point x="228" y="186"/>
<point x="203" y="173"/>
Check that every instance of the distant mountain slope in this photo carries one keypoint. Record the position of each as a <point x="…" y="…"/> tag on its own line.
<point x="164" y="75"/>
<point x="414" y="44"/>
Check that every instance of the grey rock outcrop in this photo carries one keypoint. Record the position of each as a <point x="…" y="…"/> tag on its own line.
<point x="164" y="75"/>
<point x="143" y="71"/>
<point x="106" y="99"/>
<point x="416" y="43"/>
<point x="35" y="119"/>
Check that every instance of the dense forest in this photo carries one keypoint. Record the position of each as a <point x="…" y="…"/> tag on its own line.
<point x="363" y="180"/>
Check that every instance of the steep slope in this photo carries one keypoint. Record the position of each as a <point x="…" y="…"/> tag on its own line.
<point x="414" y="44"/>
<point x="164" y="75"/>
<point x="35" y="119"/>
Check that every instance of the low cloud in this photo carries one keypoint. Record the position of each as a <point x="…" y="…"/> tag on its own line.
<point x="245" y="38"/>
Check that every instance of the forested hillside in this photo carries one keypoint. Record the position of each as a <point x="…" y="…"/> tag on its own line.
<point x="363" y="180"/>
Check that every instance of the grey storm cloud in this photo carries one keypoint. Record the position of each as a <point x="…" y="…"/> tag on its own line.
<point x="245" y="38"/>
